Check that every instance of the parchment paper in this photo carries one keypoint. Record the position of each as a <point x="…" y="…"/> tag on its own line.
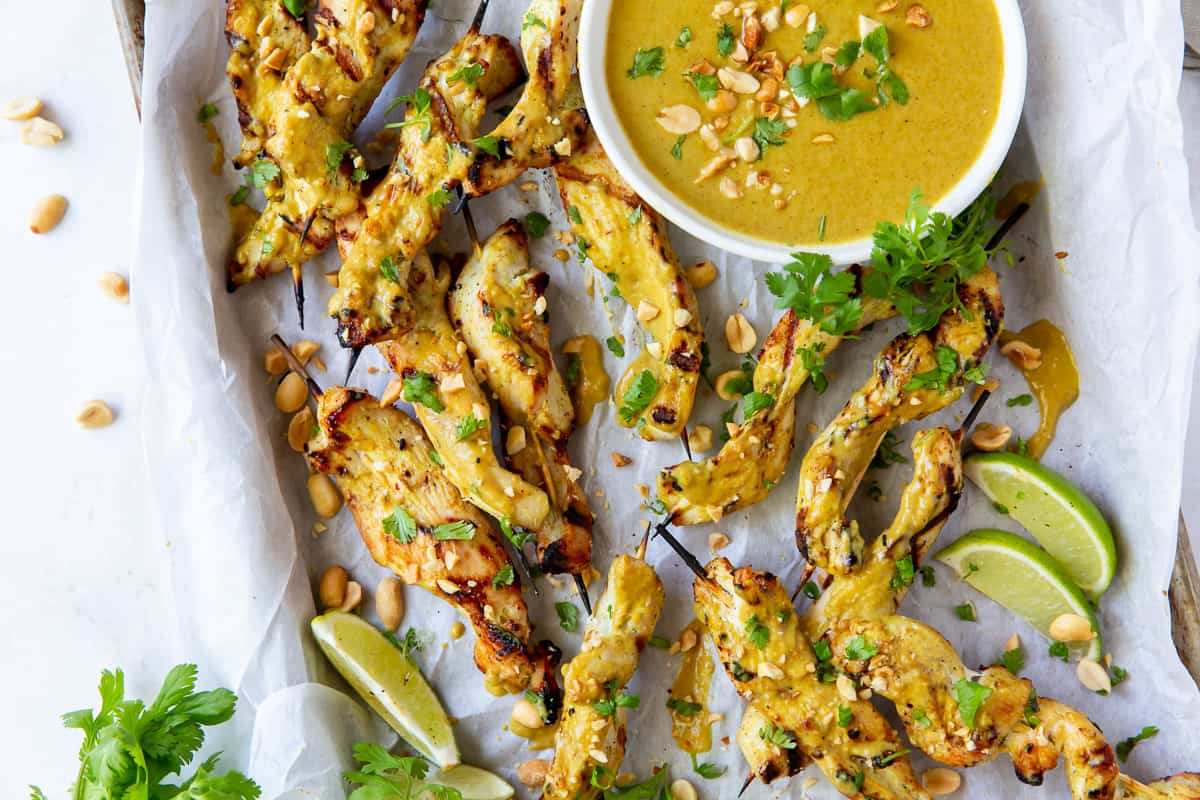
<point x="1101" y="128"/>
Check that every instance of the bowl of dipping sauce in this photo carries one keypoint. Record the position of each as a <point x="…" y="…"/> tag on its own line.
<point x="767" y="127"/>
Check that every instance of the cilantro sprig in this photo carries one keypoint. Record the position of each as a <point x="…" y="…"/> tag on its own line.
<point x="647" y="62"/>
<point x="131" y="749"/>
<point x="384" y="775"/>
<point x="638" y="396"/>
<point x="417" y="113"/>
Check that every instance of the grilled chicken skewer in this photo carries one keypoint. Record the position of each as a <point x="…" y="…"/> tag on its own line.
<point x="770" y="660"/>
<point x="498" y="306"/>
<point x="626" y="240"/>
<point x="590" y="741"/>
<point x="374" y="303"/>
<point x="415" y="523"/>
<point x="756" y="456"/>
<point x="835" y="464"/>
<point x="303" y="122"/>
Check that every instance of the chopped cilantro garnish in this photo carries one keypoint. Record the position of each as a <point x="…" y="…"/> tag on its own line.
<point x="757" y="632"/>
<point x="207" y="112"/>
<point x="334" y="153"/>
<point x="459" y="530"/>
<point x="1059" y="650"/>
<point x="1126" y="745"/>
<point x="1013" y="660"/>
<point x="568" y="616"/>
<point x="677" y="149"/>
<point x="859" y="648"/>
<point x="809" y="287"/>
<point x="970" y="696"/>
<point x="505" y="576"/>
<point x="777" y="736"/>
<point x="400" y="525"/>
<point x="684" y="38"/>
<point x="638" y="396"/>
<point x="814" y="364"/>
<point x="706" y="85"/>
<point x="536" y="224"/>
<point x="439" y="198"/>
<point x="468" y="426"/>
<point x="905" y="572"/>
<point x="965" y="612"/>
<point x="491" y="145"/>
<point x="615" y="347"/>
<point x="532" y="20"/>
<point x="1019" y="400"/>
<point x="468" y="74"/>
<point x="683" y="708"/>
<point x="725" y="40"/>
<point x="845" y="716"/>
<point x="755" y="402"/>
<point x="646" y="62"/>
<point x="812" y="39"/>
<point x="420" y="387"/>
<point x="387" y="267"/>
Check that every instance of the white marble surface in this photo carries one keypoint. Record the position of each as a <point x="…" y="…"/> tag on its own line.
<point x="74" y="501"/>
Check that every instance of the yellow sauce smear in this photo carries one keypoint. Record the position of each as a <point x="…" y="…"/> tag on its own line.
<point x="538" y="738"/>
<point x="1055" y="383"/>
<point x="242" y="218"/>
<point x="210" y="132"/>
<point x="1020" y="193"/>
<point x="585" y="375"/>
<point x="693" y="732"/>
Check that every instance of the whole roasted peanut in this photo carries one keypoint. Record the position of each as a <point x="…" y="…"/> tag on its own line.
<point x="389" y="603"/>
<point x="291" y="394"/>
<point x="47" y="213"/>
<point x="326" y="498"/>
<point x="739" y="334"/>
<point x="701" y="274"/>
<point x="332" y="587"/>
<point x="525" y="713"/>
<point x="94" y="414"/>
<point x="533" y="772"/>
<point x="940" y="781"/>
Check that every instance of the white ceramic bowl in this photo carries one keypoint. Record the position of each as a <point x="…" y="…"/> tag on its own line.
<point x="594" y="31"/>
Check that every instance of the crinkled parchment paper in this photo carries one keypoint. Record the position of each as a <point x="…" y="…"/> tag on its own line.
<point x="1102" y="129"/>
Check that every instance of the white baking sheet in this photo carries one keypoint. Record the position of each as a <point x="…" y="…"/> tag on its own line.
<point x="1101" y="127"/>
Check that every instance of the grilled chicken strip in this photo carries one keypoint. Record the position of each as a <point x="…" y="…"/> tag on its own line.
<point x="451" y="405"/>
<point x="498" y="307"/>
<point x="309" y="117"/>
<point x="401" y="205"/>
<point x="874" y="591"/>
<point x="836" y="462"/>
<point x="917" y="669"/>
<point x="416" y="523"/>
<point x="255" y="29"/>
<point x="756" y="456"/>
<point x="626" y="240"/>
<point x="771" y="662"/>
<point x="590" y="741"/>
<point x="374" y="303"/>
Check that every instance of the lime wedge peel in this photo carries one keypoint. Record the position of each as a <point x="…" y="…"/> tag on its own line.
<point x="1024" y="579"/>
<point x="474" y="783"/>
<point x="389" y="682"/>
<point x="1062" y="519"/>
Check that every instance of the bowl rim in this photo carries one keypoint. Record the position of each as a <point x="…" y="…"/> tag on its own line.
<point x="612" y="136"/>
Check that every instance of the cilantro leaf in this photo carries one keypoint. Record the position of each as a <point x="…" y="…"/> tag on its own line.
<point x="638" y="396"/>
<point x="707" y="770"/>
<point x="777" y="736"/>
<point x="420" y="387"/>
<point x="1059" y="650"/>
<point x="296" y="7"/>
<point x="706" y="85"/>
<point x="677" y="150"/>
<point x="684" y="708"/>
<point x="811" y="590"/>
<point x="809" y="287"/>
<point x="468" y="74"/>
<point x="684" y="38"/>
<point x="847" y="54"/>
<point x="965" y="612"/>
<point x="262" y="172"/>
<point x="417" y="113"/>
<point x="468" y="426"/>
<point x="757" y="632"/>
<point x="921" y="718"/>
<point x="536" y="224"/>
<point x="459" y="530"/>
<point x="646" y="62"/>
<point x="615" y="347"/>
<point x="859" y="648"/>
<point x="400" y="525"/>
<point x="505" y="576"/>
<point x="928" y="577"/>
<point x="755" y="402"/>
<point x="938" y="378"/>
<point x="492" y="146"/>
<point x="845" y="716"/>
<point x="334" y="153"/>
<point x="886" y="455"/>
<point x="1013" y="660"/>
<point x="812" y="40"/>
<point x="846" y="104"/>
<point x="813" y="81"/>
<point x="387" y="267"/>
<point x="1126" y="745"/>
<point x="876" y="43"/>
<point x="970" y="696"/>
<point x="769" y="133"/>
<point x="725" y="40"/>
<point x="814" y="365"/>
<point x="439" y="197"/>
<point x="568" y="616"/>
<point x="1019" y="400"/>
<point x="207" y="112"/>
<point x="904" y="573"/>
<point x="533" y="21"/>
<point x="575" y="217"/>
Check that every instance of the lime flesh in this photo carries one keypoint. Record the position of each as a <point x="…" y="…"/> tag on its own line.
<point x="389" y="682"/>
<point x="474" y="783"/>
<point x="1062" y="519"/>
<point x="1023" y="578"/>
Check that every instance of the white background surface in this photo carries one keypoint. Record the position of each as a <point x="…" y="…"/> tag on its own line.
<point x="75" y="503"/>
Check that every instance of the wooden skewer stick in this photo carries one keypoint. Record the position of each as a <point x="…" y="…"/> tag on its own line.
<point x="355" y="352"/>
<point x="687" y="446"/>
<point x="297" y="366"/>
<point x="662" y="531"/>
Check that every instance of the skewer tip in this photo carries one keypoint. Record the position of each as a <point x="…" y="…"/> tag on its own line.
<point x="354" y="354"/>
<point x="297" y="366"/>
<point x="746" y="785"/>
<point x="687" y="446"/>
<point x="692" y="563"/>
<point x="581" y="587"/>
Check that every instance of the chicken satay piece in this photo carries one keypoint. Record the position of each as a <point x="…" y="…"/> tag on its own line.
<point x="626" y="241"/>
<point x="590" y="741"/>
<point x="258" y="30"/>
<point x="498" y="307"/>
<point x="772" y="663"/>
<point x="323" y="97"/>
<point x="756" y="455"/>
<point x="880" y="586"/>
<point x="914" y="376"/>
<point x="374" y="303"/>
<point x="1184" y="786"/>
<point x="415" y="522"/>
<point x="457" y="102"/>
<point x="964" y="720"/>
<point x="540" y="130"/>
<point x="452" y="407"/>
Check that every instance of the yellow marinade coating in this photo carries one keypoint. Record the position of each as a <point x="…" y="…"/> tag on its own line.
<point x="588" y="740"/>
<point x="626" y="241"/>
<point x="755" y="457"/>
<point x="460" y="423"/>
<point x="835" y="464"/>
<point x="382" y="462"/>
<point x="312" y="114"/>
<point x="498" y="306"/>
<point x="770" y="660"/>
<point x="405" y="212"/>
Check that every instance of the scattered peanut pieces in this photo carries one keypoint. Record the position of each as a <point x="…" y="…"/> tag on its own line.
<point x="94" y="414"/>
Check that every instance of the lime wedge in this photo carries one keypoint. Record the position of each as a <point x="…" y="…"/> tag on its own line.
<point x="389" y="682"/>
<point x="474" y="783"/>
<point x="1023" y="578"/>
<point x="1062" y="519"/>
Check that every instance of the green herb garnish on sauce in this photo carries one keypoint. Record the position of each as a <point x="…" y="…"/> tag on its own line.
<point x="646" y="63"/>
